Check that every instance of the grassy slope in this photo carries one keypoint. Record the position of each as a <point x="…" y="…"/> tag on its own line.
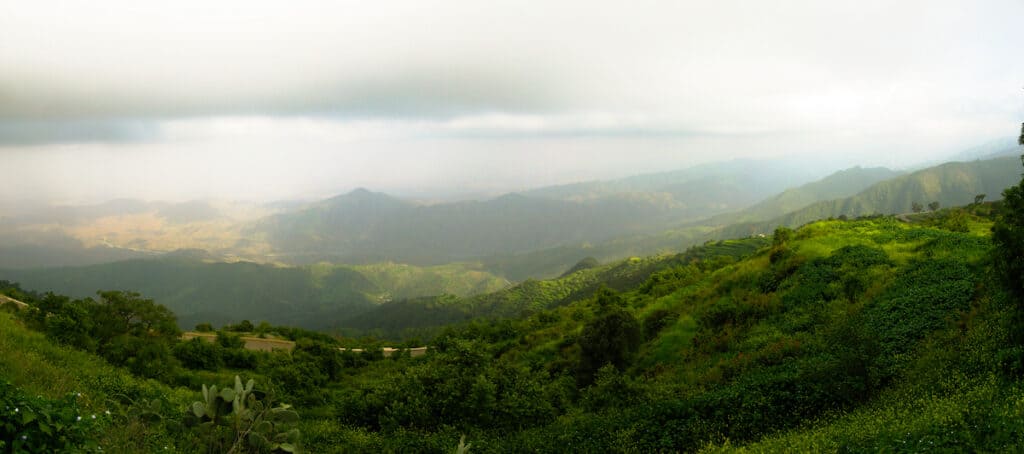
<point x="309" y="297"/>
<point x="753" y="348"/>
<point x="31" y="362"/>
<point x="939" y="383"/>
<point x="841" y="184"/>
<point x="950" y="184"/>
<point x="534" y="295"/>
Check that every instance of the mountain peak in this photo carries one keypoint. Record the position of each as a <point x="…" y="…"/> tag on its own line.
<point x="360" y="191"/>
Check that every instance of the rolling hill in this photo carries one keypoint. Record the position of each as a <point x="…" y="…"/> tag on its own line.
<point x="870" y="335"/>
<point x="314" y="297"/>
<point x="843" y="183"/>
<point x="950" y="184"/>
<point x="397" y="318"/>
<point x="366" y="227"/>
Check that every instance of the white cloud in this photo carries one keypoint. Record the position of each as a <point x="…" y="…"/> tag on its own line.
<point x="368" y="84"/>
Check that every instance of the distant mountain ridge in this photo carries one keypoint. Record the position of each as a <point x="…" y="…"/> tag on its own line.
<point x="843" y="183"/>
<point x="364" y="226"/>
<point x="949" y="184"/>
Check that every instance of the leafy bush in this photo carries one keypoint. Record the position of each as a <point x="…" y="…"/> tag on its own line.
<point x="199" y="354"/>
<point x="34" y="424"/>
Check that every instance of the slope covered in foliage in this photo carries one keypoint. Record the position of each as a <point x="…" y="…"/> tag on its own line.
<point x="949" y="184"/>
<point x="310" y="297"/>
<point x="844" y="183"/>
<point x="863" y="335"/>
<point x="534" y="295"/>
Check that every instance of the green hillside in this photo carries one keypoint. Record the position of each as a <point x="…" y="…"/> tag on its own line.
<point x="844" y="183"/>
<point x="858" y="334"/>
<point x="550" y="262"/>
<point x="70" y="383"/>
<point x="865" y="336"/>
<point x="950" y="184"/>
<point x="314" y="297"/>
<point x="534" y="295"/>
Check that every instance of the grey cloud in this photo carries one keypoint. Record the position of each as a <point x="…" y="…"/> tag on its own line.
<point x="36" y="132"/>
<point x="867" y="69"/>
<point x="422" y="91"/>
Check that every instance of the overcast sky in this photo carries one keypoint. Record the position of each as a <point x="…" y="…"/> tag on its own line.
<point x="253" y="99"/>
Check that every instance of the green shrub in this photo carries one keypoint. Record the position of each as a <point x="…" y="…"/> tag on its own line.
<point x="34" y="424"/>
<point x="199" y="354"/>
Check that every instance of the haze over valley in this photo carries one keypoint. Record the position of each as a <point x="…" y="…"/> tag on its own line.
<point x="436" y="226"/>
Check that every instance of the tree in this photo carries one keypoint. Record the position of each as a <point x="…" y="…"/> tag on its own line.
<point x="781" y="236"/>
<point x="244" y="326"/>
<point x="979" y="198"/>
<point x="326" y="357"/>
<point x="916" y="207"/>
<point x="611" y="338"/>
<point x="934" y="206"/>
<point x="1008" y="236"/>
<point x="228" y="340"/>
<point x="1008" y="253"/>
<point x="122" y="313"/>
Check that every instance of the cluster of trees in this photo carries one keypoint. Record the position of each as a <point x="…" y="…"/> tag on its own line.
<point x="123" y="327"/>
<point x="932" y="206"/>
<point x="1008" y="236"/>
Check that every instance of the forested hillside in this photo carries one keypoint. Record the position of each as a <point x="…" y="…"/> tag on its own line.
<point x="401" y="318"/>
<point x="949" y="184"/>
<point x="844" y="183"/>
<point x="314" y="297"/>
<point x="863" y="335"/>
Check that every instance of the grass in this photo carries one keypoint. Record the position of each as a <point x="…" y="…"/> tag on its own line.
<point x="32" y="363"/>
<point x="977" y="413"/>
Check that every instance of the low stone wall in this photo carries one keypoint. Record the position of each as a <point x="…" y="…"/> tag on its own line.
<point x="266" y="345"/>
<point x="4" y="299"/>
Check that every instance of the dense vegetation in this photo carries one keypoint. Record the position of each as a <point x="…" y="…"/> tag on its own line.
<point x="408" y="317"/>
<point x="862" y="335"/>
<point x="949" y="184"/>
<point x="878" y="333"/>
<point x="312" y="297"/>
<point x="842" y="184"/>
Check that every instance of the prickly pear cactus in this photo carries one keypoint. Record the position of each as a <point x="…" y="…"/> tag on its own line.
<point x="235" y="420"/>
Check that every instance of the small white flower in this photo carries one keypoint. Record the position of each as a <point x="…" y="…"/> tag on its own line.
<point x="78" y="419"/>
<point x="107" y="412"/>
<point x="93" y="416"/>
<point x="16" y="409"/>
<point x="24" y="437"/>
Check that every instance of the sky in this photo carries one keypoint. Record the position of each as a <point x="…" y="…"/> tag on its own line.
<point x="265" y="100"/>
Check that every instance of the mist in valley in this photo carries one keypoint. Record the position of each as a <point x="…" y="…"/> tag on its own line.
<point x="601" y="226"/>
